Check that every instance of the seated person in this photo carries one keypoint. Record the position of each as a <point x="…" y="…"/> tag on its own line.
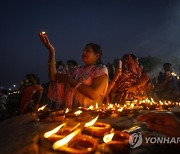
<point x="71" y="64"/>
<point x="86" y="85"/>
<point x="130" y="81"/>
<point x="31" y="95"/>
<point x="167" y="86"/>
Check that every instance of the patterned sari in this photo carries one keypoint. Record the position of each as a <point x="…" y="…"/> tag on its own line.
<point x="131" y="72"/>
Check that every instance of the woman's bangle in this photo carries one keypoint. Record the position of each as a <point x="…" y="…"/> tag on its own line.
<point x="52" y="63"/>
<point x="77" y="85"/>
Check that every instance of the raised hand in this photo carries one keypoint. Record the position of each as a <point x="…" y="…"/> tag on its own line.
<point x="117" y="73"/>
<point x="46" y="42"/>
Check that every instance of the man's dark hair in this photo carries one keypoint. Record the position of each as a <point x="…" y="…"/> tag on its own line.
<point x="167" y="64"/>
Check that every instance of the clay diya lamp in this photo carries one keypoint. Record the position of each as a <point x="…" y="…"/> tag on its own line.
<point x="58" y="116"/>
<point x="62" y="132"/>
<point x="165" y="106"/>
<point x="151" y="106"/>
<point x="102" y="113"/>
<point x="123" y="111"/>
<point x="81" y="144"/>
<point x="43" y="114"/>
<point x="73" y="113"/>
<point x="117" y="141"/>
<point x="97" y="129"/>
<point x="65" y="140"/>
<point x="67" y="130"/>
<point x="51" y="135"/>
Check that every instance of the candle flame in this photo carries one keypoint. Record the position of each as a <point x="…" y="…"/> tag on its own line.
<point x="161" y="103"/>
<point x="78" y="112"/>
<point x="96" y="105"/>
<point x="43" y="32"/>
<point x="55" y="130"/>
<point x="91" y="107"/>
<point x="92" y="122"/>
<point x="66" y="139"/>
<point x="125" y="105"/>
<point x="107" y="138"/>
<point x="132" y="105"/>
<point x="110" y="106"/>
<point x="42" y="108"/>
<point x="67" y="110"/>
<point x="120" y="109"/>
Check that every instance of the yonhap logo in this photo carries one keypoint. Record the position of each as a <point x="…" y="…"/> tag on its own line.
<point x="135" y="139"/>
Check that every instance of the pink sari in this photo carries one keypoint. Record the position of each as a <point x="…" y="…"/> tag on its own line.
<point x="71" y="97"/>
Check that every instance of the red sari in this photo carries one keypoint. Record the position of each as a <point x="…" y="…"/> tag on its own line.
<point x="30" y="93"/>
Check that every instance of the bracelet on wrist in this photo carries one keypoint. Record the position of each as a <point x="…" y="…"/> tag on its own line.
<point x="52" y="63"/>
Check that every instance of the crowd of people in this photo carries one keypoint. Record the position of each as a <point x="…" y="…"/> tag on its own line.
<point x="71" y="85"/>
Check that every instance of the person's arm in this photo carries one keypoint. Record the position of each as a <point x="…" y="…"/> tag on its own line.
<point x="113" y="81"/>
<point x="52" y="60"/>
<point x="139" y="84"/>
<point x="94" y="90"/>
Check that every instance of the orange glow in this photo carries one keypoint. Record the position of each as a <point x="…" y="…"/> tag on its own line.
<point x="96" y="105"/>
<point x="110" y="106"/>
<point x="132" y="105"/>
<point x="120" y="109"/>
<point x="67" y="110"/>
<point x="107" y="138"/>
<point x="55" y="130"/>
<point x="161" y="103"/>
<point x="91" y="107"/>
<point x="78" y="112"/>
<point x="92" y="122"/>
<point x="42" y="108"/>
<point x="76" y="126"/>
<point x="66" y="139"/>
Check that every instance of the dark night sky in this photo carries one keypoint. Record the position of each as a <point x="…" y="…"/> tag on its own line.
<point x="142" y="27"/>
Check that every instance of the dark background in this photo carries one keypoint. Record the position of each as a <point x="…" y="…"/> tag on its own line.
<point x="142" y="27"/>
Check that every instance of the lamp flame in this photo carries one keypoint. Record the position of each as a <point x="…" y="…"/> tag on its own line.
<point x="55" y="130"/>
<point x="67" y="110"/>
<point x="107" y="138"/>
<point x="42" y="108"/>
<point x="120" y="109"/>
<point x="43" y="32"/>
<point x="78" y="112"/>
<point x="96" y="105"/>
<point x="91" y="107"/>
<point x="92" y="122"/>
<point x="132" y="105"/>
<point x="66" y="139"/>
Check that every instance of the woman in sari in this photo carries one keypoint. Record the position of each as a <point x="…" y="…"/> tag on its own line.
<point x="130" y="81"/>
<point x="31" y="95"/>
<point x="85" y="86"/>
